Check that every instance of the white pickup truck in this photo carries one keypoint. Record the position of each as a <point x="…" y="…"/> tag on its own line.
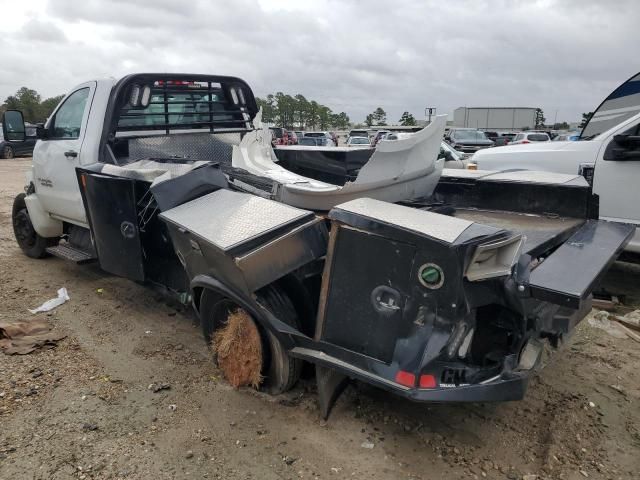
<point x="165" y="179"/>
<point x="607" y="154"/>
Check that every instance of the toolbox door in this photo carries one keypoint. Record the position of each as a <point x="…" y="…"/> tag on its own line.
<point x="112" y="214"/>
<point x="367" y="293"/>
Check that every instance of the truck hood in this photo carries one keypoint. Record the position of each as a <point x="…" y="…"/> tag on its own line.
<point x="472" y="142"/>
<point x="543" y="147"/>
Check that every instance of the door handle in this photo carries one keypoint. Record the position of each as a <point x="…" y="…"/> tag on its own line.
<point x="71" y="154"/>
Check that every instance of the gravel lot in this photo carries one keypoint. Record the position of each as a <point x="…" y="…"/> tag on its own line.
<point x="85" y="410"/>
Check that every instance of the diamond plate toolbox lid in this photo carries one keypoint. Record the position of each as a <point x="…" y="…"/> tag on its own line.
<point x="230" y="219"/>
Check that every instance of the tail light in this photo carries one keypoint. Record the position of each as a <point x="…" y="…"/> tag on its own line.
<point x="526" y="141"/>
<point x="428" y="381"/>
<point x="407" y="379"/>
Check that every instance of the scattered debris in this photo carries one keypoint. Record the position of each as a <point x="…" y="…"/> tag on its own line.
<point x="173" y="407"/>
<point x="618" y="389"/>
<point x="630" y="333"/>
<point x="156" y="387"/>
<point x="89" y="427"/>
<point x="368" y="445"/>
<point x="602" y="321"/>
<point x="289" y="460"/>
<point x="189" y="454"/>
<point x="631" y="320"/>
<point x="23" y="337"/>
<point x="62" y="297"/>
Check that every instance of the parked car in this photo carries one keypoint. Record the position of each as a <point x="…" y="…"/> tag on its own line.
<point x="326" y="135"/>
<point x="359" y="133"/>
<point x="452" y="158"/>
<point x="278" y="136"/>
<point x="380" y="134"/>
<point x="358" y="142"/>
<point x="529" y="137"/>
<point x="501" y="141"/>
<point x="468" y="140"/>
<point x="299" y="134"/>
<point x="564" y="137"/>
<point x="491" y="135"/>
<point x="14" y="149"/>
<point x="307" y="141"/>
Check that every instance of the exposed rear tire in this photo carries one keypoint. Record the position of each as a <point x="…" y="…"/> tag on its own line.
<point x="32" y="244"/>
<point x="7" y="152"/>
<point x="280" y="372"/>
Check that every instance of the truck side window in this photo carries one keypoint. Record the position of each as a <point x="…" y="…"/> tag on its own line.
<point x="68" y="119"/>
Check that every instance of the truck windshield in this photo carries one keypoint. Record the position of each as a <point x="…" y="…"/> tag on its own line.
<point x="469" y="135"/>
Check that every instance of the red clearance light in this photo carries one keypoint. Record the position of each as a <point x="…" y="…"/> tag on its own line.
<point x="427" y="381"/>
<point x="405" y="378"/>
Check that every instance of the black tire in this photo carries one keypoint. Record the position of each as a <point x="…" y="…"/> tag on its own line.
<point x="279" y="370"/>
<point x="32" y="244"/>
<point x="7" y="152"/>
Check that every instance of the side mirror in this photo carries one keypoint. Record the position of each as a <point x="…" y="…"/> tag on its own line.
<point x="13" y="126"/>
<point x="41" y="132"/>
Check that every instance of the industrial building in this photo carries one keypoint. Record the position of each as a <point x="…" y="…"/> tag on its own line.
<point x="495" y="118"/>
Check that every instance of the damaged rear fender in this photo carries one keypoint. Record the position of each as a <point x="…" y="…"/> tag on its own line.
<point x="264" y="317"/>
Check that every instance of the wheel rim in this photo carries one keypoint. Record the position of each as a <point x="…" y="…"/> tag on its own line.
<point x="237" y="345"/>
<point x="23" y="229"/>
<point x="8" y="152"/>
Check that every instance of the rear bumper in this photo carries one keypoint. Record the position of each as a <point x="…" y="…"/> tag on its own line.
<point x="507" y="386"/>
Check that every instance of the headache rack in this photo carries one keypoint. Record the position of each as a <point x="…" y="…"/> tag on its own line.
<point x="182" y="102"/>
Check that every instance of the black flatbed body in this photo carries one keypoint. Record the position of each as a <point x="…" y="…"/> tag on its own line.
<point x="541" y="232"/>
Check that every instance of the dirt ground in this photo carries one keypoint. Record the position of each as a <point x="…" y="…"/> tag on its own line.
<point x="85" y="410"/>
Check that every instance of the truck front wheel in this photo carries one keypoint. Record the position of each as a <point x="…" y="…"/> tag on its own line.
<point x="247" y="353"/>
<point x="32" y="244"/>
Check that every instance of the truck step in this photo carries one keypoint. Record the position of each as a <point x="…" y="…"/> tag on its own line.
<point x="67" y="252"/>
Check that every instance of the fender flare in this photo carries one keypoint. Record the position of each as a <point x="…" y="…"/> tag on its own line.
<point x="43" y="224"/>
<point x="267" y="320"/>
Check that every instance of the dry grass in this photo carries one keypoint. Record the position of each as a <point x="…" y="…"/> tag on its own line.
<point x="238" y="350"/>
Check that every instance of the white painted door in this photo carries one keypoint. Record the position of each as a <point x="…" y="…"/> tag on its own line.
<point x="56" y="157"/>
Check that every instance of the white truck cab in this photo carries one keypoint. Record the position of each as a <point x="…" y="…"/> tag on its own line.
<point x="608" y="154"/>
<point x="71" y="138"/>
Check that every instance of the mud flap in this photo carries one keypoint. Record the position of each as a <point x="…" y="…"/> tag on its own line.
<point x="330" y="385"/>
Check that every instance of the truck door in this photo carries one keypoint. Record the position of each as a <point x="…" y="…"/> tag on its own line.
<point x="56" y="157"/>
<point x="617" y="171"/>
<point x="617" y="175"/>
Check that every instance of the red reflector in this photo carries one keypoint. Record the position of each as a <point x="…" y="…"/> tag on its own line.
<point x="405" y="378"/>
<point x="427" y="381"/>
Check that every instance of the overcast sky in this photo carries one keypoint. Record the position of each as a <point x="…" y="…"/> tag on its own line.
<point x="353" y="56"/>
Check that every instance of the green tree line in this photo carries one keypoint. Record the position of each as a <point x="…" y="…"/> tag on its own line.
<point x="296" y="111"/>
<point x="31" y="104"/>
